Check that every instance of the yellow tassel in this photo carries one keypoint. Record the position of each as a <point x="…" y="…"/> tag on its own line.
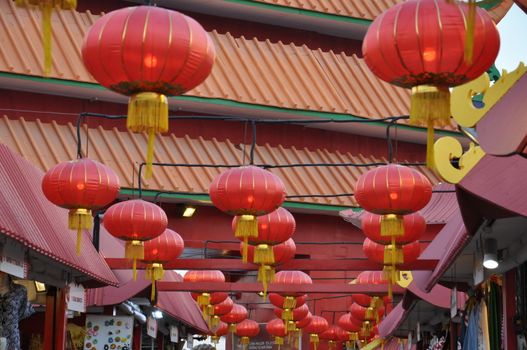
<point x="80" y="219"/>
<point x="134" y="250"/>
<point x="287" y="315"/>
<point x="210" y="310"/>
<point x="265" y="276"/>
<point x="392" y="225"/>
<point x="246" y="226"/>
<point x="289" y="302"/>
<point x="331" y="344"/>
<point x="393" y="255"/>
<point x="291" y="326"/>
<point x="430" y="145"/>
<point x="313" y="338"/>
<point x="391" y="274"/>
<point x="203" y="299"/>
<point x="154" y="272"/>
<point x="279" y="340"/>
<point x="376" y="302"/>
<point x="215" y="339"/>
<point x="232" y="327"/>
<point x="369" y="314"/>
<point x="354" y="336"/>
<point x="245" y="342"/>
<point x="263" y="254"/>
<point x="296" y="336"/>
<point x="148" y="112"/>
<point x="469" y="37"/>
<point x="245" y="249"/>
<point x="214" y="322"/>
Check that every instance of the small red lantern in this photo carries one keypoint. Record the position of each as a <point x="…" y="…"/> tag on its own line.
<point x="368" y="300"/>
<point x="291" y="278"/>
<point x="282" y="253"/>
<point x="317" y="326"/>
<point x="247" y="192"/>
<point x="345" y="323"/>
<point x="366" y="313"/>
<point x="407" y="45"/>
<point x="278" y="300"/>
<point x="245" y="330"/>
<point x="371" y="277"/>
<point x="217" y="332"/>
<point x="135" y="221"/>
<point x="350" y="338"/>
<point x="276" y="328"/>
<point x="331" y="336"/>
<point x="80" y="185"/>
<point x="221" y="309"/>
<point x="206" y="300"/>
<point x="237" y="315"/>
<point x="148" y="53"/>
<point x="414" y="225"/>
<point x="290" y="316"/>
<point x="158" y="251"/>
<point x="305" y="321"/>
<point x="389" y="255"/>
<point x="366" y="327"/>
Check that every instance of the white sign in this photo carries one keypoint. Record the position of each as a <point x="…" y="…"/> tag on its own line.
<point x="190" y="342"/>
<point x="13" y="265"/>
<point x="76" y="298"/>
<point x="151" y="327"/>
<point x="174" y="334"/>
<point x="479" y="273"/>
<point x="108" y="332"/>
<point x="453" y="302"/>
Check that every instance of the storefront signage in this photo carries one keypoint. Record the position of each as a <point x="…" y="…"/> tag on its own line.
<point x="12" y="260"/>
<point x="174" y="334"/>
<point x="108" y="332"/>
<point x="76" y="298"/>
<point x="190" y="342"/>
<point x="151" y="327"/>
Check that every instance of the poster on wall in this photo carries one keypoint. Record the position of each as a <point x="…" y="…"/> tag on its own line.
<point x="108" y="332"/>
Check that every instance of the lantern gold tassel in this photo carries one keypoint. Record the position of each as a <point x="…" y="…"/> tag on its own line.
<point x="214" y="322"/>
<point x="279" y="341"/>
<point x="232" y="327"/>
<point x="392" y="225"/>
<point x="245" y="342"/>
<point x="313" y="338"/>
<point x="148" y="112"/>
<point x="289" y="302"/>
<point x="80" y="219"/>
<point x="263" y="254"/>
<point x="215" y="339"/>
<point x="134" y="250"/>
<point x="430" y="106"/>
<point x="291" y="326"/>
<point x="265" y="276"/>
<point x="154" y="272"/>
<point x="287" y="315"/>
<point x="246" y="226"/>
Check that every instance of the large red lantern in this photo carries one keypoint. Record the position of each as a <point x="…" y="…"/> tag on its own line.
<point x="135" y="221"/>
<point x="291" y="278"/>
<point x="245" y="330"/>
<point x="388" y="255"/>
<point x="414" y="225"/>
<point x="276" y="328"/>
<point x="331" y="335"/>
<point x="148" y="53"/>
<point x="80" y="185"/>
<point x="420" y="44"/>
<point x="221" y="309"/>
<point x="158" y="251"/>
<point x="206" y="299"/>
<point x="237" y="315"/>
<point x="219" y="331"/>
<point x="317" y="326"/>
<point x="282" y="253"/>
<point x="247" y="192"/>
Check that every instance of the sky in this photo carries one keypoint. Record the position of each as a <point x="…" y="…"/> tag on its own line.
<point x="513" y="29"/>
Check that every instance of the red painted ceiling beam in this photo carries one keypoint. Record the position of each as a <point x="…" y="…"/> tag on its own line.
<point x="298" y="264"/>
<point x="334" y="288"/>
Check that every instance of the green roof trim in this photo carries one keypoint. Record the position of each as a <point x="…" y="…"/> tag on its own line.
<point x="231" y="103"/>
<point x="206" y="198"/>
<point x="303" y="12"/>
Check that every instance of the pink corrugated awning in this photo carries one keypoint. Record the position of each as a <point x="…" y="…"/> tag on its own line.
<point x="30" y="219"/>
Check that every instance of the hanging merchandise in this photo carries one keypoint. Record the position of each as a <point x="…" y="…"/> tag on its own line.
<point x="317" y="326"/>
<point x="406" y="46"/>
<point x="148" y="53"/>
<point x="246" y="330"/>
<point x="247" y="192"/>
<point x="237" y="315"/>
<point x="163" y="249"/>
<point x="80" y="185"/>
<point x="206" y="299"/>
<point x="277" y="329"/>
<point x="135" y="221"/>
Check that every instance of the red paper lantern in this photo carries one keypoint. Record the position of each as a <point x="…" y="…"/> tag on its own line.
<point x="247" y="192"/>
<point x="381" y="254"/>
<point x="331" y="335"/>
<point x="305" y="321"/>
<point x="414" y="225"/>
<point x="366" y="313"/>
<point x="217" y="332"/>
<point x="349" y="337"/>
<point x="296" y="314"/>
<point x="206" y="300"/>
<point x="135" y="221"/>
<point x="245" y="330"/>
<point x="278" y="300"/>
<point x="292" y="278"/>
<point x="345" y="323"/>
<point x="220" y="309"/>
<point x="276" y="328"/>
<point x="420" y="44"/>
<point x="317" y="326"/>
<point x="163" y="249"/>
<point x="80" y="185"/>
<point x="282" y="253"/>
<point x="367" y="300"/>
<point x="148" y="53"/>
<point x="371" y="277"/>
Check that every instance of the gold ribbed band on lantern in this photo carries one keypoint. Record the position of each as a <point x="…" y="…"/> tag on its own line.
<point x="392" y="225"/>
<point x="313" y="338"/>
<point x="154" y="272"/>
<point x="430" y="106"/>
<point x="46" y="8"/>
<point x="245" y="342"/>
<point x="80" y="219"/>
<point x="265" y="276"/>
<point x="134" y="250"/>
<point x="148" y="112"/>
<point x="246" y="226"/>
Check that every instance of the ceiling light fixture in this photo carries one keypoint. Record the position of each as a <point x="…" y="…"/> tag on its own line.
<point x="490" y="254"/>
<point x="189" y="211"/>
<point x="157" y="314"/>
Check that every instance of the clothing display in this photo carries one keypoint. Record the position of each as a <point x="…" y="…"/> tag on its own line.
<point x="14" y="307"/>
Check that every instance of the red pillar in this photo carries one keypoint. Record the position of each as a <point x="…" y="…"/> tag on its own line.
<point x="509" y="309"/>
<point x="136" y="337"/>
<point x="55" y="320"/>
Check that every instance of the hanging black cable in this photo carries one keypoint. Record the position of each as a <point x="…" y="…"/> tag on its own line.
<point x="253" y="142"/>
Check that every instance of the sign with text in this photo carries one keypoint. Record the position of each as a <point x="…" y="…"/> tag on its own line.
<point x="76" y="298"/>
<point x="12" y="260"/>
<point x="151" y="327"/>
<point x="174" y="334"/>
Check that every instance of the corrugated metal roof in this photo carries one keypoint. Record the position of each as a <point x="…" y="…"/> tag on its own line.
<point x="46" y="144"/>
<point x="442" y="206"/>
<point x="29" y="218"/>
<point x="365" y="9"/>
<point x="246" y="70"/>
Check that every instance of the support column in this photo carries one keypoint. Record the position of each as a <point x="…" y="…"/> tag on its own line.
<point x="509" y="309"/>
<point x="55" y="319"/>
